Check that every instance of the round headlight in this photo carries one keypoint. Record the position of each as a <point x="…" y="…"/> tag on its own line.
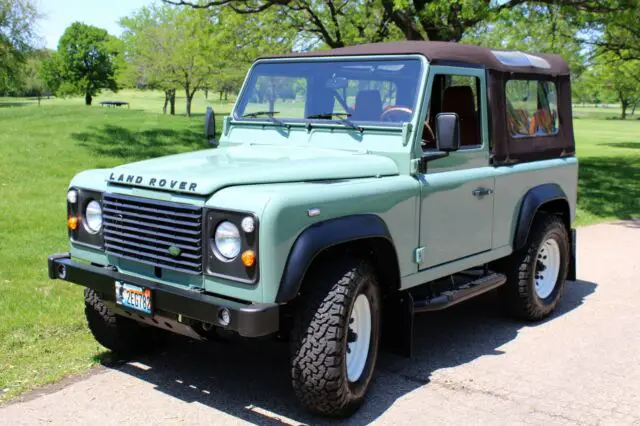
<point x="227" y="240"/>
<point x="93" y="216"/>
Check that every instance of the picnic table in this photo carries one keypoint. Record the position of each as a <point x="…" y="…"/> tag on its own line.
<point x="114" y="103"/>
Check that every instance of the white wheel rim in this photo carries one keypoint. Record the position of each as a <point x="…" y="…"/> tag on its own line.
<point x="358" y="338"/>
<point x="547" y="268"/>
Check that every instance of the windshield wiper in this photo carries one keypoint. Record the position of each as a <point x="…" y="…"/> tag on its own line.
<point x="344" y="119"/>
<point x="329" y="115"/>
<point x="257" y="113"/>
<point x="268" y="113"/>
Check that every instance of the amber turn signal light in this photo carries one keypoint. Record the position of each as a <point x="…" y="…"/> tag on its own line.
<point x="248" y="258"/>
<point x="72" y="223"/>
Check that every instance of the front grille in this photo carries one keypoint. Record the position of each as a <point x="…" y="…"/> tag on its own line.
<point x="144" y="230"/>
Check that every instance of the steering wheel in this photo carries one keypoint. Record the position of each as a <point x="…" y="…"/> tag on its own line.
<point x="428" y="137"/>
<point x="396" y="114"/>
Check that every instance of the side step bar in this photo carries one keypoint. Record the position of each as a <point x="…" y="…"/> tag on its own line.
<point x="462" y="293"/>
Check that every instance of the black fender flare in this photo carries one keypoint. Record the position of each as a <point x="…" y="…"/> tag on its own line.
<point x="531" y="203"/>
<point x="321" y="236"/>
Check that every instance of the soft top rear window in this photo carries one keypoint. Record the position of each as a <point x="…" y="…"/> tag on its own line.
<point x="532" y="108"/>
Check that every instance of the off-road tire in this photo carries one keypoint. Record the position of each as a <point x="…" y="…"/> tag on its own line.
<point x="518" y="295"/>
<point x="320" y="332"/>
<point x="121" y="335"/>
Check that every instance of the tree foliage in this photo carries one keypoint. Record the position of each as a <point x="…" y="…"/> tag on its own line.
<point x="85" y="62"/>
<point x="192" y="49"/>
<point x="169" y="48"/>
<point x="611" y="79"/>
<point x="17" y="35"/>
<point x="533" y="28"/>
<point x="33" y="82"/>
<point x="338" y="23"/>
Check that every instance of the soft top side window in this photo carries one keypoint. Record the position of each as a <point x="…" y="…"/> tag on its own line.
<point x="532" y="108"/>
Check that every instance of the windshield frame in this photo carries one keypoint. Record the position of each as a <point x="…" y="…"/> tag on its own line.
<point x="336" y="123"/>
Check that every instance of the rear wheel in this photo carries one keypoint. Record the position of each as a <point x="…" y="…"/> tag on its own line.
<point x="121" y="335"/>
<point x="336" y="334"/>
<point x="536" y="274"/>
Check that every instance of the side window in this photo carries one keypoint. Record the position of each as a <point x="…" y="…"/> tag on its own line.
<point x="459" y="94"/>
<point x="532" y="108"/>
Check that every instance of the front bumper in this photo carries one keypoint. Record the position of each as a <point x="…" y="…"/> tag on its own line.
<point x="248" y="320"/>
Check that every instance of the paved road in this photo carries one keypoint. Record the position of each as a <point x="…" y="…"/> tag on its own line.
<point x="472" y="366"/>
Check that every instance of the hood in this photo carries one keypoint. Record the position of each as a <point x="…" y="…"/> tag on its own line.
<point x="204" y="172"/>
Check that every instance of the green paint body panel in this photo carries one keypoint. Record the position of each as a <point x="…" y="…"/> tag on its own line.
<point x="279" y="174"/>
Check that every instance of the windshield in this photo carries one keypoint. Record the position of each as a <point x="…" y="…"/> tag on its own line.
<point x="345" y="91"/>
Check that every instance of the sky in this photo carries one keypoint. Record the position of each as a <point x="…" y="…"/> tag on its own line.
<point x="59" y="14"/>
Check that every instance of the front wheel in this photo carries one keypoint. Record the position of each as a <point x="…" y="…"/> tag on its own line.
<point x="336" y="336"/>
<point x="121" y="335"/>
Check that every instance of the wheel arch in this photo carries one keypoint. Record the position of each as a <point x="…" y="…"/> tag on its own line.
<point x="361" y="232"/>
<point x="547" y="198"/>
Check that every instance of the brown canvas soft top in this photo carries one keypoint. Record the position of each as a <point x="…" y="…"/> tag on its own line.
<point x="441" y="51"/>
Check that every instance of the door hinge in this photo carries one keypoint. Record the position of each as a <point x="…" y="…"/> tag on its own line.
<point x="419" y="255"/>
<point x="415" y="166"/>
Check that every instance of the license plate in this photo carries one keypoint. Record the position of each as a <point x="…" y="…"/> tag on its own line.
<point x="133" y="297"/>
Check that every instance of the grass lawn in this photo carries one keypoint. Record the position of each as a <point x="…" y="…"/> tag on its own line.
<point x="43" y="336"/>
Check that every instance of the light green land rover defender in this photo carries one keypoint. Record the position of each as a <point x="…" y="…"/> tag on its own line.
<point x="349" y="190"/>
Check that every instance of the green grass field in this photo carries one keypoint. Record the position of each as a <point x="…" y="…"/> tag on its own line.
<point x="43" y="336"/>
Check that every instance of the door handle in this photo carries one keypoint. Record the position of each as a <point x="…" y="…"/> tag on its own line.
<point x="481" y="192"/>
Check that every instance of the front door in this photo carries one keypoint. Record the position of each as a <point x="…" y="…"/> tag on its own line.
<point x="457" y="191"/>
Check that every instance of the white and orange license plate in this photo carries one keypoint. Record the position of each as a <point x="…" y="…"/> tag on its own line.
<point x="134" y="297"/>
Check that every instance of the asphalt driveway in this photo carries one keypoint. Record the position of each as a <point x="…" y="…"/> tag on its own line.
<point x="471" y="366"/>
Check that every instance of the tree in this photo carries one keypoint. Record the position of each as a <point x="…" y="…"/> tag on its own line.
<point x="85" y="63"/>
<point x="17" y="33"/>
<point x="538" y="28"/>
<point x="338" y="23"/>
<point x="618" y="81"/>
<point x="33" y="83"/>
<point x="147" y="52"/>
<point x="616" y="33"/>
<point x="169" y="47"/>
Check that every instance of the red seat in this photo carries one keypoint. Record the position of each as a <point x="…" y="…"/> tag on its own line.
<point x="460" y="99"/>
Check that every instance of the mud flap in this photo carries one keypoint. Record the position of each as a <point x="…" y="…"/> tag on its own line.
<point x="571" y="274"/>
<point x="397" y="324"/>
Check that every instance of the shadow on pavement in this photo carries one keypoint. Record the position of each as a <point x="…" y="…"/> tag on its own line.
<point x="250" y="379"/>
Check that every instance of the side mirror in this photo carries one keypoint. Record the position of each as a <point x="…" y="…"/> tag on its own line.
<point x="447" y="132"/>
<point x="210" y="126"/>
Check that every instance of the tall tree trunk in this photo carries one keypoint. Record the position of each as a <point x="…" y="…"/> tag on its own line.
<point x="172" y="102"/>
<point x="206" y="93"/>
<point x="166" y="101"/>
<point x="221" y="95"/>
<point x="624" y="104"/>
<point x="187" y="92"/>
<point x="88" y="99"/>
<point x="226" y="96"/>
<point x="190" y="95"/>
